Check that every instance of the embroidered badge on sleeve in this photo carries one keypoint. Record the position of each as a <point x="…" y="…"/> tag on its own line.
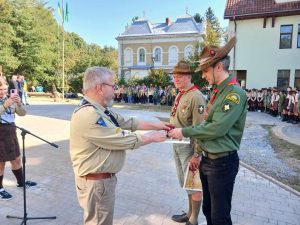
<point x="233" y="97"/>
<point x="101" y="122"/>
<point x="201" y="109"/>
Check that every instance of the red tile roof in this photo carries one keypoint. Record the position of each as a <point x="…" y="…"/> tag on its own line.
<point x="243" y="9"/>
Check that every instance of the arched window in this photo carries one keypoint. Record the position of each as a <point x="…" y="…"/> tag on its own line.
<point x="173" y="55"/>
<point x="188" y="50"/>
<point x="157" y="55"/>
<point x="141" y="55"/>
<point x="128" y="57"/>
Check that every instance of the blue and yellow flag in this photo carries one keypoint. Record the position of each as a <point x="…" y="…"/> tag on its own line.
<point x="59" y="10"/>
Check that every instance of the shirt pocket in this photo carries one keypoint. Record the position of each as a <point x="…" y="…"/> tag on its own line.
<point x="185" y="109"/>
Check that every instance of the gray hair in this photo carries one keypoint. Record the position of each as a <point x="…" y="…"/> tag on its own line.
<point x="96" y="75"/>
<point x="225" y="63"/>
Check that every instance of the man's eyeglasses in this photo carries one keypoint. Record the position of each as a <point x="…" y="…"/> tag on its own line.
<point x="113" y="86"/>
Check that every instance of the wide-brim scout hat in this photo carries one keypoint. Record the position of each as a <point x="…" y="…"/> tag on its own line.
<point x="182" y="68"/>
<point x="211" y="54"/>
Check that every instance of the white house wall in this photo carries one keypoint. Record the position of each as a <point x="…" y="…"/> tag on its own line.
<point x="257" y="50"/>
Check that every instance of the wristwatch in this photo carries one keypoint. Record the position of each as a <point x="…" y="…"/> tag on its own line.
<point x="196" y="155"/>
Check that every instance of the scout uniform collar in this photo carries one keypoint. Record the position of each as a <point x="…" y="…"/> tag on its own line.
<point x="182" y="92"/>
<point x="102" y="109"/>
<point x="230" y="80"/>
<point x="94" y="103"/>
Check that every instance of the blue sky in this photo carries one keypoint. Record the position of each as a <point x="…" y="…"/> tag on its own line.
<point x="101" y="21"/>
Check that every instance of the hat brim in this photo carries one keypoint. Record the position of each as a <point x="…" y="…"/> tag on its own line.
<point x="221" y="53"/>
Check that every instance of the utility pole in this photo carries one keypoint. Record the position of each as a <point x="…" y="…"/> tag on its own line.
<point x="63" y="52"/>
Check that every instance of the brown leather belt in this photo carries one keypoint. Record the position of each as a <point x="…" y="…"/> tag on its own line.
<point x="217" y="155"/>
<point x="98" y="176"/>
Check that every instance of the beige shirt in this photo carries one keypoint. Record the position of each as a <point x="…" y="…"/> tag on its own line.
<point x="190" y="110"/>
<point x="97" y="145"/>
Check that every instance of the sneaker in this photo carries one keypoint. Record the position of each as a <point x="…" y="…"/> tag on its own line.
<point x="4" y="195"/>
<point x="28" y="184"/>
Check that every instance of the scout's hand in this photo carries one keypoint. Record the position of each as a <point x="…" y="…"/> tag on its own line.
<point x="194" y="163"/>
<point x="159" y="136"/>
<point x="175" y="133"/>
<point x="166" y="126"/>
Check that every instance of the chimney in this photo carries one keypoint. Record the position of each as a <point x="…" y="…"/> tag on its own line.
<point x="168" y="21"/>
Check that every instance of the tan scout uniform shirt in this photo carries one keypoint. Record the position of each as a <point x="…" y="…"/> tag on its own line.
<point x="190" y="111"/>
<point x="96" y="144"/>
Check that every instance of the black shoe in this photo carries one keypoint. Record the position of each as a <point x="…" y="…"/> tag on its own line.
<point x="28" y="184"/>
<point x="180" y="218"/>
<point x="4" y="195"/>
<point x="189" y="223"/>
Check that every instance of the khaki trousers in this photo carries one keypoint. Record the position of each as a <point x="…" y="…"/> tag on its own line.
<point x="97" y="199"/>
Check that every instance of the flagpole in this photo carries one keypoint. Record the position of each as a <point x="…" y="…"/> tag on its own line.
<point x="63" y="52"/>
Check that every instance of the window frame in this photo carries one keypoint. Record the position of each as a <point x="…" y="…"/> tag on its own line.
<point x="298" y="36"/>
<point x="159" y="62"/>
<point x="139" y="62"/>
<point x="128" y="62"/>
<point x="297" y="84"/>
<point x="186" y="57"/>
<point x="290" y="34"/>
<point x="176" y="57"/>
<point x="282" y="87"/>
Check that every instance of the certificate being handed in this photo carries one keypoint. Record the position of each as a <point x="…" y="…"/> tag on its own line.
<point x="192" y="180"/>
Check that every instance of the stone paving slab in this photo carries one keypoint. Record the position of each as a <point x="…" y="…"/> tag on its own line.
<point x="147" y="192"/>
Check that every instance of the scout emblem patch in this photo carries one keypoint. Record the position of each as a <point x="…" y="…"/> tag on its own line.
<point x="101" y="122"/>
<point x="201" y="109"/>
<point x="233" y="97"/>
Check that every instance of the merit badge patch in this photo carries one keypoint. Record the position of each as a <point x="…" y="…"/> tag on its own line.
<point x="233" y="97"/>
<point x="101" y="122"/>
<point x="201" y="109"/>
<point x="226" y="107"/>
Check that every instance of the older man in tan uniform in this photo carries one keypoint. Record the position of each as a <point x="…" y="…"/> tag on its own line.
<point x="188" y="110"/>
<point x="98" y="140"/>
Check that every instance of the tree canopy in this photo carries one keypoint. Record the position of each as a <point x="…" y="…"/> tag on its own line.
<point x="31" y="45"/>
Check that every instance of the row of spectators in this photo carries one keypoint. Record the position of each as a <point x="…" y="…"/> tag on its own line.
<point x="283" y="103"/>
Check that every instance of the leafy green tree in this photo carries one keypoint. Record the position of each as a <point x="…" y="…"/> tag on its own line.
<point x="214" y="31"/>
<point x="198" y="18"/>
<point x="158" y="77"/>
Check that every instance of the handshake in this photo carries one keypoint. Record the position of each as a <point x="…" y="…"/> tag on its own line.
<point x="164" y="130"/>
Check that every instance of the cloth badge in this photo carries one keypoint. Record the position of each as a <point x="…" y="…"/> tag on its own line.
<point x="226" y="107"/>
<point x="201" y="109"/>
<point x="233" y="97"/>
<point x="101" y="122"/>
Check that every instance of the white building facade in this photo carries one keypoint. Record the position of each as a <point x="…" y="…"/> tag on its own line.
<point x="267" y="53"/>
<point x="144" y="45"/>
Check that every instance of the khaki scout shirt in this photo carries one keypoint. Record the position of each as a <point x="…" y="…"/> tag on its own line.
<point x="96" y="144"/>
<point x="190" y="111"/>
<point x="223" y="128"/>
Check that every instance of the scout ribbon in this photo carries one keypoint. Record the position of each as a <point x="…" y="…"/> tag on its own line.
<point x="173" y="113"/>
<point x="215" y="92"/>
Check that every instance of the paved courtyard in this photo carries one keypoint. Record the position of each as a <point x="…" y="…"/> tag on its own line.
<point x="147" y="192"/>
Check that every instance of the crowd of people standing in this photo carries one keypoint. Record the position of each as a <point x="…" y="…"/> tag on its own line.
<point x="282" y="103"/>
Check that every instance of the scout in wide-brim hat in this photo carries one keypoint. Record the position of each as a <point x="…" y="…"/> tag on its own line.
<point x="182" y="68"/>
<point x="211" y="54"/>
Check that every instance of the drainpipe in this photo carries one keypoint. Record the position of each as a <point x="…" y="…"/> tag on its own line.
<point x="234" y="48"/>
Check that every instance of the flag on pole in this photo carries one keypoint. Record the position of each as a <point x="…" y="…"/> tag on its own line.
<point x="67" y="13"/>
<point x="59" y="10"/>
